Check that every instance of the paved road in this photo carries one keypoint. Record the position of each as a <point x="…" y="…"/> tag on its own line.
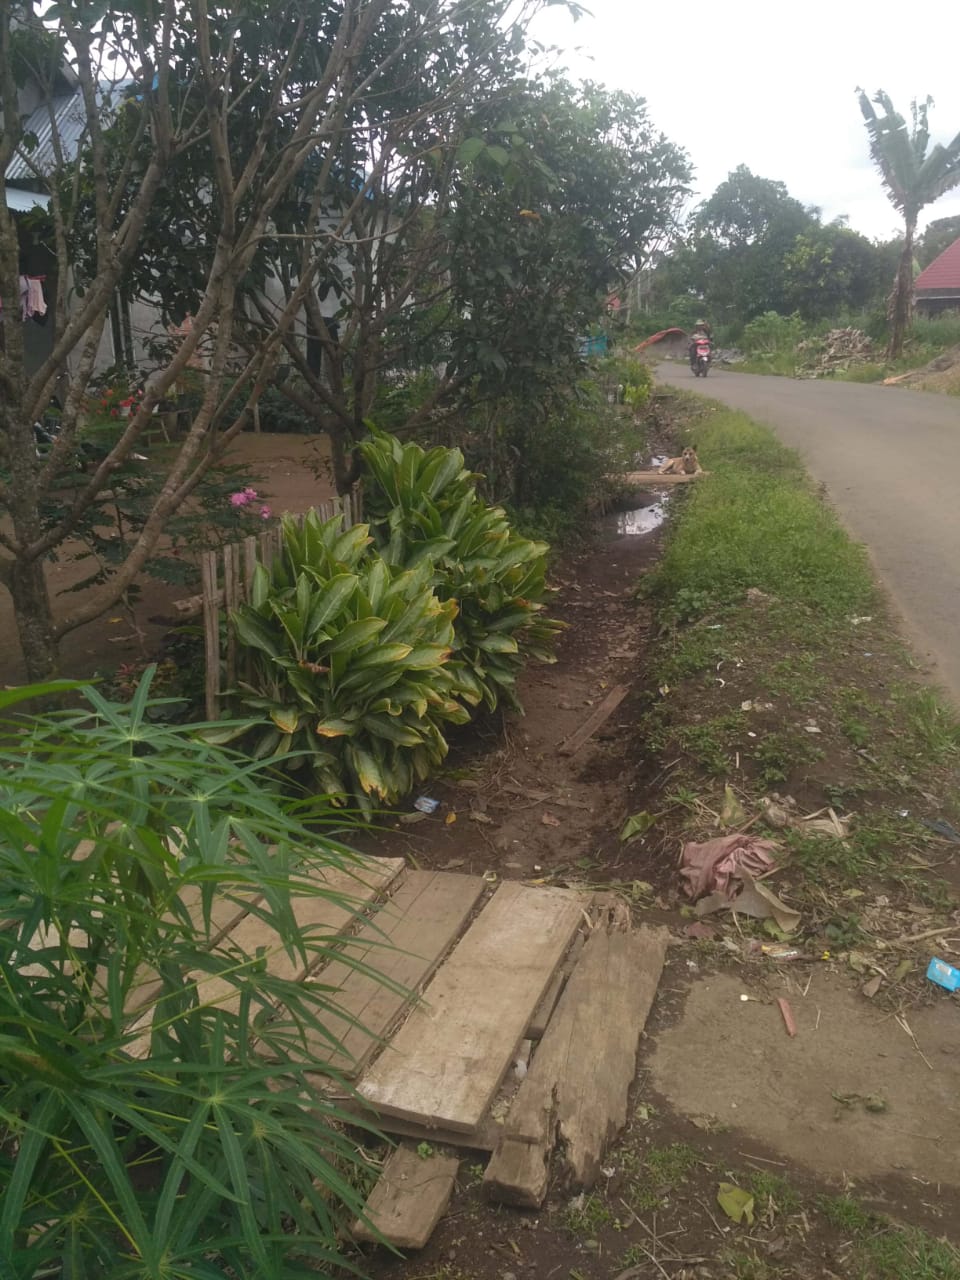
<point x="890" y="460"/>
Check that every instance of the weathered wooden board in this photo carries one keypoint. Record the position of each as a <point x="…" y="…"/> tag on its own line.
<point x="317" y="917"/>
<point x="404" y="942"/>
<point x="360" y="885"/>
<point x="445" y="1063"/>
<point x="486" y="1137"/>
<point x="570" y="746"/>
<point x="650" y="479"/>
<point x="544" y="1010"/>
<point x="409" y="1199"/>
<point x="577" y="1087"/>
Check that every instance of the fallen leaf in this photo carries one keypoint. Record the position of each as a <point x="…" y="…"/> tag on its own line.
<point x="756" y="900"/>
<point x="733" y="813"/>
<point x="454" y="862"/>
<point x="901" y="971"/>
<point x="476" y="816"/>
<point x="699" y="930"/>
<point x="709" y="1124"/>
<point x="637" y="825"/>
<point x="549" y="820"/>
<point x="871" y="987"/>
<point x="735" y="1203"/>
<point x="450" y="819"/>
<point x="416" y="816"/>
<point x="873" y="1102"/>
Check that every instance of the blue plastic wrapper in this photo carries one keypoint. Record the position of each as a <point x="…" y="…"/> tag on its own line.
<point x="943" y="974"/>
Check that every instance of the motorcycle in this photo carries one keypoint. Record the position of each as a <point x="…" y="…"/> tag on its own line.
<point x="700" y="357"/>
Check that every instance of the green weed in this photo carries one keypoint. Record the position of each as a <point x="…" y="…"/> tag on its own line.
<point x="757" y="522"/>
<point x="586" y="1216"/>
<point x="936" y="727"/>
<point x="711" y="743"/>
<point x="880" y="1250"/>
<point x="778" y="754"/>
<point x="659" y="1171"/>
<point x="746" y="1266"/>
<point x="770" y="1189"/>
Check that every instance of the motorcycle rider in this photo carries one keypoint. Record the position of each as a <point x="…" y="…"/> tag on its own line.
<point x="701" y="330"/>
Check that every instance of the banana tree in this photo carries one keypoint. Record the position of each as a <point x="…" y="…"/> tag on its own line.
<point x="913" y="177"/>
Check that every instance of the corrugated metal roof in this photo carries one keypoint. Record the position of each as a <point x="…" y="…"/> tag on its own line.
<point x="69" y="124"/>
<point x="943" y="272"/>
<point x="23" y="201"/>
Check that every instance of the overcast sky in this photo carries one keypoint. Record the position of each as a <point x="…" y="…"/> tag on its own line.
<point x="771" y="85"/>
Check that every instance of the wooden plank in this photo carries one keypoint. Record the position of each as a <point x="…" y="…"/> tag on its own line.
<point x="544" y="1010"/>
<point x="405" y="941"/>
<point x="317" y="918"/>
<point x="409" y="1199"/>
<point x="211" y="634"/>
<point x="653" y="479"/>
<point x="575" y="1092"/>
<point x="486" y="1137"/>
<point x="230" y="601"/>
<point x="571" y="745"/>
<point x="445" y="1063"/>
<point x="249" y="563"/>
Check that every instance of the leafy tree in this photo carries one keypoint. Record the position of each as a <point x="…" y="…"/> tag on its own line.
<point x="939" y="235"/>
<point x="740" y="238"/>
<point x="508" y="223"/>
<point x="230" y="117"/>
<point x="830" y="270"/>
<point x="914" y="175"/>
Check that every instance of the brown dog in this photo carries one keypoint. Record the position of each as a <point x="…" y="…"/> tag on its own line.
<point x="687" y="464"/>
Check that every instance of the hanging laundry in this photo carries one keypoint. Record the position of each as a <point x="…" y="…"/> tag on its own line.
<point x="32" y="302"/>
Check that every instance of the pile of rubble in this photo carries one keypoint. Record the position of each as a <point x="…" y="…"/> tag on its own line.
<point x="833" y="352"/>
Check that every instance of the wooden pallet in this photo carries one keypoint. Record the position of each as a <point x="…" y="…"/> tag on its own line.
<point x="445" y="1064"/>
<point x="572" y="1100"/>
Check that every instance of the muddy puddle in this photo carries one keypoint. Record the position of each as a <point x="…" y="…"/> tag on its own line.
<point x="645" y="519"/>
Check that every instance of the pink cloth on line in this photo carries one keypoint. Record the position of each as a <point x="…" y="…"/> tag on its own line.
<point x="32" y="301"/>
<point x="712" y="867"/>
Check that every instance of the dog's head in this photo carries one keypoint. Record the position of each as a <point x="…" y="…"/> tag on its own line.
<point x="689" y="454"/>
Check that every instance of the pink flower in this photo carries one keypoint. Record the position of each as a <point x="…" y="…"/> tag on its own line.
<point x="250" y="494"/>
<point x="238" y="499"/>
<point x="265" y="513"/>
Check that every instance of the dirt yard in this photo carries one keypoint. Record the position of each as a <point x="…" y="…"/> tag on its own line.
<point x="288" y="470"/>
<point x="857" y="1113"/>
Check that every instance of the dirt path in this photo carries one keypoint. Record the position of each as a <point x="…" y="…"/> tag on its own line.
<point x="722" y="1092"/>
<point x="520" y="808"/>
<point x="889" y="460"/>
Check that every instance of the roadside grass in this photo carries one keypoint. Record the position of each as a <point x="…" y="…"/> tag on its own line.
<point x="779" y="670"/>
<point x="879" y="1250"/>
<point x="664" y="1210"/>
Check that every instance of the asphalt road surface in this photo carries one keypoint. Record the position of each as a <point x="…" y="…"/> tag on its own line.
<point x="890" y="461"/>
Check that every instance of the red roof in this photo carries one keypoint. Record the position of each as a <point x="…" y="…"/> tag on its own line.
<point x="943" y="272"/>
<point x="665" y="333"/>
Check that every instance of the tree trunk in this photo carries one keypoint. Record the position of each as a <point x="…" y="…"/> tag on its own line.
<point x="346" y="460"/>
<point x="31" y="602"/>
<point x="901" y="300"/>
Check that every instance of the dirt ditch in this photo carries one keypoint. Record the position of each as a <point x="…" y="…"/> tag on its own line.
<point x="861" y="1101"/>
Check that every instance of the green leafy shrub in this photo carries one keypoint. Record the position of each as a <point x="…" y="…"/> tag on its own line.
<point x="772" y="333"/>
<point x="633" y="375"/>
<point x="424" y="509"/>
<point x="350" y="663"/>
<point x="140" y="1136"/>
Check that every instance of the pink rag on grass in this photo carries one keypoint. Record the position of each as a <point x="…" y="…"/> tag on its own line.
<point x="712" y="867"/>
